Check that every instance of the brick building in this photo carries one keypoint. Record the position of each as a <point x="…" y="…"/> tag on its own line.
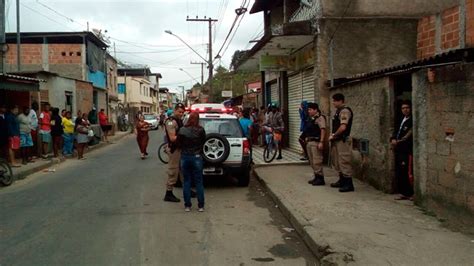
<point x="308" y="43"/>
<point x="441" y="86"/>
<point x="74" y="55"/>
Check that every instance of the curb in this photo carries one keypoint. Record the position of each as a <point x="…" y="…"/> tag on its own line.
<point x="52" y="162"/>
<point x="320" y="249"/>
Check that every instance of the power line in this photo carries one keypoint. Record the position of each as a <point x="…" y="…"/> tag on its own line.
<point x="39" y="13"/>
<point x="60" y="14"/>
<point x="232" y="27"/>
<point x="349" y="2"/>
<point x="235" y="32"/>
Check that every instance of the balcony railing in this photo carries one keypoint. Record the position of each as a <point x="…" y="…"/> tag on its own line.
<point x="309" y="10"/>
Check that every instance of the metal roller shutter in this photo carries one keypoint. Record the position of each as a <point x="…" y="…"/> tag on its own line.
<point x="300" y="88"/>
<point x="274" y="93"/>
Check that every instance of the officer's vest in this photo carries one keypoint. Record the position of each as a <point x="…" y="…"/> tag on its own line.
<point x="336" y="122"/>
<point x="173" y="145"/>
<point x="313" y="130"/>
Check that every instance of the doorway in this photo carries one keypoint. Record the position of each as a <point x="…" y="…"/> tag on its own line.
<point x="403" y="134"/>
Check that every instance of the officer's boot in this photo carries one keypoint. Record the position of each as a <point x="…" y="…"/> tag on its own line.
<point x="312" y="180"/>
<point x="171" y="197"/>
<point x="339" y="182"/>
<point x="319" y="181"/>
<point x="347" y="185"/>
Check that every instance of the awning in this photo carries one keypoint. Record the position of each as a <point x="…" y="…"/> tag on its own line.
<point x="283" y="41"/>
<point x="18" y="83"/>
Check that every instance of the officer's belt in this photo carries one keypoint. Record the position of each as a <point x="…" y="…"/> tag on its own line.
<point x="313" y="139"/>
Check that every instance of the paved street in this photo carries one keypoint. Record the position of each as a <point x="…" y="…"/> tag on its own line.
<point x="108" y="210"/>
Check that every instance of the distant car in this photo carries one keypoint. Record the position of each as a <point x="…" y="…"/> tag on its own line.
<point x="153" y="120"/>
<point x="226" y="150"/>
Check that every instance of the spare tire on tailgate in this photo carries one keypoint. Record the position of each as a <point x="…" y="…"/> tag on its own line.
<point x="216" y="148"/>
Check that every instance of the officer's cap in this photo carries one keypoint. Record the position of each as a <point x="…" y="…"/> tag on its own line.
<point x="313" y="106"/>
<point x="179" y="105"/>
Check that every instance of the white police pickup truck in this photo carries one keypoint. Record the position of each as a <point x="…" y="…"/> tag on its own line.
<point x="226" y="151"/>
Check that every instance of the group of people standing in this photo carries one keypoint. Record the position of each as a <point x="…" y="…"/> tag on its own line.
<point x="34" y="134"/>
<point x="312" y="139"/>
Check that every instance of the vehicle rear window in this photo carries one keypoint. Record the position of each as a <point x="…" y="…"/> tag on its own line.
<point x="226" y="127"/>
<point x="149" y="117"/>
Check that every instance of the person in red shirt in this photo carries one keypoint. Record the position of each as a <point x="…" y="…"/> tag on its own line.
<point x="104" y="124"/>
<point x="45" y="129"/>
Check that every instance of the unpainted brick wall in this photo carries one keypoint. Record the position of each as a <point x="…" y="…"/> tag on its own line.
<point x="435" y="38"/>
<point x="450" y="164"/>
<point x="470" y="23"/>
<point x="370" y="102"/>
<point x="426" y="46"/>
<point x="31" y="54"/>
<point x="450" y="28"/>
<point x="65" y="54"/>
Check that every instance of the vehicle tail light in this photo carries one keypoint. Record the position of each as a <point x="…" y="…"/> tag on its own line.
<point x="246" y="147"/>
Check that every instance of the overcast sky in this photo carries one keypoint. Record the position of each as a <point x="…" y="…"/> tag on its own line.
<point x="137" y="28"/>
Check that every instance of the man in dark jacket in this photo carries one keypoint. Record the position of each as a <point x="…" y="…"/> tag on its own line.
<point x="13" y="129"/>
<point x="402" y="144"/>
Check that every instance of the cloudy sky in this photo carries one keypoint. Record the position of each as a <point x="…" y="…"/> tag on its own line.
<point x="137" y="29"/>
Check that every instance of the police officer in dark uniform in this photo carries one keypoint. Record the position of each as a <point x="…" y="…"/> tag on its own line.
<point x="341" y="144"/>
<point x="315" y="130"/>
<point x="402" y="144"/>
<point x="172" y="126"/>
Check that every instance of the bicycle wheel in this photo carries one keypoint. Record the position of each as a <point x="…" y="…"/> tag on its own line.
<point x="6" y="174"/>
<point x="270" y="152"/>
<point x="163" y="153"/>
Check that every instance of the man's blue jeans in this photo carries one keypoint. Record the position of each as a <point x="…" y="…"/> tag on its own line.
<point x="68" y="143"/>
<point x="191" y="167"/>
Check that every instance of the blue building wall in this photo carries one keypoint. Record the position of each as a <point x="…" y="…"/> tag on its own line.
<point x="97" y="78"/>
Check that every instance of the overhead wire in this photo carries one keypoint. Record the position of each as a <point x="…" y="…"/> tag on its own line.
<point x="349" y="2"/>
<point x="234" y="23"/>
<point x="235" y="32"/>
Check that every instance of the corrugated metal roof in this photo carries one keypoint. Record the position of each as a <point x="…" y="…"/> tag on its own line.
<point x="21" y="77"/>
<point x="453" y="56"/>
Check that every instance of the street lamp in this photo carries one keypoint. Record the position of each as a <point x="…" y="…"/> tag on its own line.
<point x="187" y="73"/>
<point x="209" y="61"/>
<point x="179" y="38"/>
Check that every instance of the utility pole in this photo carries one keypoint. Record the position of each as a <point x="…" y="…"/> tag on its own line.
<point x="202" y="70"/>
<point x="210" y="63"/>
<point x="2" y="34"/>
<point x="18" y="40"/>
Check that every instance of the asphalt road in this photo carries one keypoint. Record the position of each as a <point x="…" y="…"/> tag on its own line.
<point x="109" y="210"/>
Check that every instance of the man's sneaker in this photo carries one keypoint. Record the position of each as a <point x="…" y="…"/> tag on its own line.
<point x="201" y="210"/>
<point x="171" y="197"/>
<point x="304" y="158"/>
<point x="187" y="209"/>
<point x="279" y="157"/>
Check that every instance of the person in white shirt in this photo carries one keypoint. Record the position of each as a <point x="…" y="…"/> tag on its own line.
<point x="34" y="129"/>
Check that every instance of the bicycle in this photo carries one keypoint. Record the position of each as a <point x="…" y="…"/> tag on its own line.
<point x="271" y="148"/>
<point x="163" y="153"/>
<point x="6" y="174"/>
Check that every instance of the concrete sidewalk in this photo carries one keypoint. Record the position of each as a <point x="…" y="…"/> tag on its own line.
<point x="366" y="227"/>
<point x="41" y="164"/>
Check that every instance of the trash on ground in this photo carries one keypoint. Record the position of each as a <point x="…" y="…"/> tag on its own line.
<point x="50" y="170"/>
<point x="288" y="229"/>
